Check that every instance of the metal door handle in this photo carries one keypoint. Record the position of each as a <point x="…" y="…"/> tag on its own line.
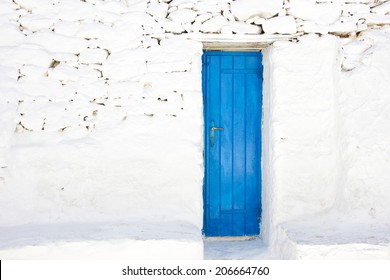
<point x="212" y="129"/>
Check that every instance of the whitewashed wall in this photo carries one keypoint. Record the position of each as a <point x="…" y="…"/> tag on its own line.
<point x="364" y="111"/>
<point x="319" y="193"/>
<point x="300" y="149"/>
<point x="98" y="122"/>
<point x="101" y="113"/>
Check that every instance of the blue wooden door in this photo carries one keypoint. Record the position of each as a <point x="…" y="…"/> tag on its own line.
<point x="232" y="106"/>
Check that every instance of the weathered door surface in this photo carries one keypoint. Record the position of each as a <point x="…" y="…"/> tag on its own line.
<point x="232" y="100"/>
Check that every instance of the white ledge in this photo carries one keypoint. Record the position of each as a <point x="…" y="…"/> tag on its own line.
<point x="233" y="41"/>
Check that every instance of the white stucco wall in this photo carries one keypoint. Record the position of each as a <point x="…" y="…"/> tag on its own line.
<point x="101" y="115"/>
<point x="364" y="103"/>
<point x="101" y="137"/>
<point x="324" y="159"/>
<point x="299" y="130"/>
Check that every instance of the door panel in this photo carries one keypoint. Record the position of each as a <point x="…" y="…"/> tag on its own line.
<point x="232" y="98"/>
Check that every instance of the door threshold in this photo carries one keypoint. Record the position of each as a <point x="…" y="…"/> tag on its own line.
<point x="230" y="238"/>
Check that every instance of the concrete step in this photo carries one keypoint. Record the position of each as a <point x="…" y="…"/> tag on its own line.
<point x="121" y="240"/>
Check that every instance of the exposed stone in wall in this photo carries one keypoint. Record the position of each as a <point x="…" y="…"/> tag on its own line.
<point x="68" y="63"/>
<point x="71" y="50"/>
<point x="74" y="68"/>
<point x="81" y="49"/>
<point x="72" y="54"/>
<point x="79" y="71"/>
<point x="308" y="16"/>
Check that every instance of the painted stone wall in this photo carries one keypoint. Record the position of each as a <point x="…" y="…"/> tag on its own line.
<point x="98" y="121"/>
<point x="364" y="111"/>
<point x="300" y="149"/>
<point x="101" y="109"/>
<point x="324" y="130"/>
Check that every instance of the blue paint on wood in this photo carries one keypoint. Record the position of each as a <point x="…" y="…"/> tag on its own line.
<point x="232" y="101"/>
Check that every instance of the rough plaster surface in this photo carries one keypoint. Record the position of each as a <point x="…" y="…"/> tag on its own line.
<point x="324" y="153"/>
<point x="101" y="120"/>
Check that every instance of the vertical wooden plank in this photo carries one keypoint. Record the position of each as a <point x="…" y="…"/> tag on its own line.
<point x="226" y="144"/>
<point x="226" y="224"/>
<point x="226" y="134"/>
<point x="252" y="61"/>
<point x="214" y="152"/>
<point x="239" y="61"/>
<point x="239" y="224"/>
<point x="253" y="153"/>
<point x="239" y="145"/>
<point x="206" y="194"/>
<point x="259" y="146"/>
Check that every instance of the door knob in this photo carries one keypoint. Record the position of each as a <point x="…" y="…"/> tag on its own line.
<point x="212" y="129"/>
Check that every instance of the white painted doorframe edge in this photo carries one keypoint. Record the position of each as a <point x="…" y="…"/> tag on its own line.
<point x="235" y="42"/>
